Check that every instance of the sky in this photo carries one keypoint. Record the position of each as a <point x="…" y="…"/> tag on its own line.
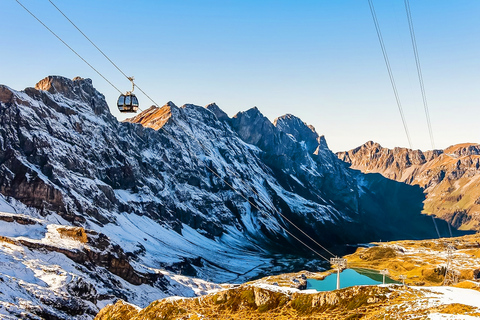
<point x="319" y="60"/>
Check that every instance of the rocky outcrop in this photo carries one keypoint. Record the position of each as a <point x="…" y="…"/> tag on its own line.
<point x="252" y="302"/>
<point x="449" y="177"/>
<point x="98" y="252"/>
<point x="299" y="130"/>
<point x="219" y="113"/>
<point x="154" y="117"/>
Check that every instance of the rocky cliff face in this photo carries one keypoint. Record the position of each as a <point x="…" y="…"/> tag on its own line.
<point x="450" y="177"/>
<point x="188" y="189"/>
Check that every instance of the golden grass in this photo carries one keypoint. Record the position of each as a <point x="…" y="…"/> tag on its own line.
<point x="421" y="261"/>
<point x="468" y="285"/>
<point x="457" y="308"/>
<point x="365" y="302"/>
<point x="75" y="233"/>
<point x="247" y="302"/>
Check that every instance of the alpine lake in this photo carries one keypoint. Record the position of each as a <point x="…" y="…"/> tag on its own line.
<point x="348" y="278"/>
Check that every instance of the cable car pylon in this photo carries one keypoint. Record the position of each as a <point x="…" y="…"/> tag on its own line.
<point x="340" y="263"/>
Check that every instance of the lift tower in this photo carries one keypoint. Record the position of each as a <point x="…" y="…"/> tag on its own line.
<point x="340" y="264"/>
<point x="451" y="276"/>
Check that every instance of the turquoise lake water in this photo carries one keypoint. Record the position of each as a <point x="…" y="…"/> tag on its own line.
<point x="348" y="278"/>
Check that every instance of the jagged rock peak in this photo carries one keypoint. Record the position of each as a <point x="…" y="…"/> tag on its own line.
<point x="154" y="117"/>
<point x="463" y="149"/>
<point x="6" y="94"/>
<point x="59" y="84"/>
<point x="371" y="154"/>
<point x="219" y="113"/>
<point x="66" y="87"/>
<point x="371" y="144"/>
<point x="79" y="89"/>
<point x="170" y="104"/>
<point x="253" y="127"/>
<point x="323" y="142"/>
<point x="294" y="126"/>
<point x="251" y="113"/>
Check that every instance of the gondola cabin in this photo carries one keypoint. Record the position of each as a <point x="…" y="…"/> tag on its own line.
<point x="127" y="103"/>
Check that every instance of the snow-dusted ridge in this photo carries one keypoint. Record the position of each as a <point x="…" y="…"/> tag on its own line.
<point x="37" y="279"/>
<point x="66" y="161"/>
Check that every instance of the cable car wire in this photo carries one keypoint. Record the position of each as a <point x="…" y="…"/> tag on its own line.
<point x="58" y="37"/>
<point x="389" y="69"/>
<point x="201" y="144"/>
<point x="103" y="53"/>
<point x="422" y="87"/>
<point x="419" y="70"/>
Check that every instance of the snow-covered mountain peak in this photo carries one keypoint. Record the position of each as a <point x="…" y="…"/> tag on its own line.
<point x="294" y="126"/>
<point x="78" y="89"/>
<point x="253" y="127"/>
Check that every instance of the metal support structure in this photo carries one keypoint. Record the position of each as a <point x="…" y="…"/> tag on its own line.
<point x="451" y="276"/>
<point x="403" y="277"/>
<point x="384" y="272"/>
<point x="133" y="84"/>
<point x="340" y="264"/>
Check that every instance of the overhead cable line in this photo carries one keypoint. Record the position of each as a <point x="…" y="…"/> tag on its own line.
<point x="58" y="37"/>
<point x="103" y="53"/>
<point x="419" y="70"/>
<point x="201" y="144"/>
<point x="389" y="69"/>
<point x="422" y="87"/>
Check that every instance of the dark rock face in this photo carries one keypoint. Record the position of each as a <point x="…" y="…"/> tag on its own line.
<point x="219" y="113"/>
<point x="299" y="130"/>
<point x="449" y="177"/>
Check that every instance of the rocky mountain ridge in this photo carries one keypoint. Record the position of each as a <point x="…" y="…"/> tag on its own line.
<point x="450" y="178"/>
<point x="179" y="189"/>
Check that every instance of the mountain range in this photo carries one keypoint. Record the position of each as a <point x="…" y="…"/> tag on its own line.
<point x="450" y="178"/>
<point x="171" y="201"/>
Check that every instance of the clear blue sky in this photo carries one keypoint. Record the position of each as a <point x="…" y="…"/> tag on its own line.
<point x="319" y="60"/>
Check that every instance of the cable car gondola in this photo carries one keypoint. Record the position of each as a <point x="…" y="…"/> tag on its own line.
<point x="128" y="102"/>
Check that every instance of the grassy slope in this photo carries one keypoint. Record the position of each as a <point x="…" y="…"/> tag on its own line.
<point x="251" y="302"/>
<point x="419" y="260"/>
